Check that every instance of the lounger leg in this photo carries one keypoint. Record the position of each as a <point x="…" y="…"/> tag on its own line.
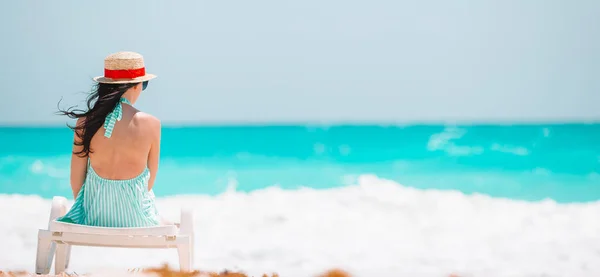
<point x="45" y="253"/>
<point x="68" y="256"/>
<point x="60" y="264"/>
<point x="185" y="256"/>
<point x="186" y="251"/>
<point x="46" y="248"/>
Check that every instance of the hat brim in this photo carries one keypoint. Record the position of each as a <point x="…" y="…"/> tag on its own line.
<point x="104" y="80"/>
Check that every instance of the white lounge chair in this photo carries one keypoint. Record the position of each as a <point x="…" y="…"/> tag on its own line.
<point x="59" y="237"/>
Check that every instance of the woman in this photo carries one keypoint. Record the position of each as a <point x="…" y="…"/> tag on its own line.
<point x="115" y="150"/>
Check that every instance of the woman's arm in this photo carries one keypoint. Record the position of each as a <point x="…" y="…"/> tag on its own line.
<point x="78" y="165"/>
<point x="154" y="154"/>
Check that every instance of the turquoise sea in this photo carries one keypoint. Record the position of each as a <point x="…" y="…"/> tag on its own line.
<point x="526" y="162"/>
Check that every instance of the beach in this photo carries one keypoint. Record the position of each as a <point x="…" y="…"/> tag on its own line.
<point x="310" y="138"/>
<point x="422" y="200"/>
<point x="375" y="228"/>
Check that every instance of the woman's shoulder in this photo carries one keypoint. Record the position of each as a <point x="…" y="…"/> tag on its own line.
<point x="146" y="120"/>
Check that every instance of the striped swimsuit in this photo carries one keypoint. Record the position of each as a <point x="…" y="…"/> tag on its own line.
<point x="113" y="203"/>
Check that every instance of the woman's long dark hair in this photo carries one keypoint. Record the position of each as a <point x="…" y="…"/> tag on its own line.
<point x="101" y="101"/>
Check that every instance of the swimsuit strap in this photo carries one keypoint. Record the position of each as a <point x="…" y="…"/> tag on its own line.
<point x="113" y="117"/>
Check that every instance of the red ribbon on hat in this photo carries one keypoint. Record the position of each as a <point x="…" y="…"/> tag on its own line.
<point x="124" y="73"/>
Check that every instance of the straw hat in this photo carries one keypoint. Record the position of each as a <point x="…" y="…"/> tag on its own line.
<point x="123" y="68"/>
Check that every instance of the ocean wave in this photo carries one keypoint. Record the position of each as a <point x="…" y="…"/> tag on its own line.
<point x="546" y="132"/>
<point x="443" y="141"/>
<point x="52" y="170"/>
<point x="516" y="150"/>
<point x="440" y="140"/>
<point x="374" y="228"/>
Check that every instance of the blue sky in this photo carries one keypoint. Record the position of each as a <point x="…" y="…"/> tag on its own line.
<point x="310" y="61"/>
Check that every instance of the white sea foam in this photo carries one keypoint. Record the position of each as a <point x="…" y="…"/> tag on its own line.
<point x="546" y="132"/>
<point x="50" y="167"/>
<point x="444" y="141"/>
<point x="516" y="150"/>
<point x="376" y="228"/>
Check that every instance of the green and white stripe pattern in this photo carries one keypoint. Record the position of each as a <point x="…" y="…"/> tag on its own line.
<point x="113" y="117"/>
<point x="114" y="203"/>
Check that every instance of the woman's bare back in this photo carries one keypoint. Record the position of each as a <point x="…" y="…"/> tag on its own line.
<point x="125" y="154"/>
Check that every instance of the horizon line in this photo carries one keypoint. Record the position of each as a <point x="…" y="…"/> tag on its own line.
<point x="171" y="124"/>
